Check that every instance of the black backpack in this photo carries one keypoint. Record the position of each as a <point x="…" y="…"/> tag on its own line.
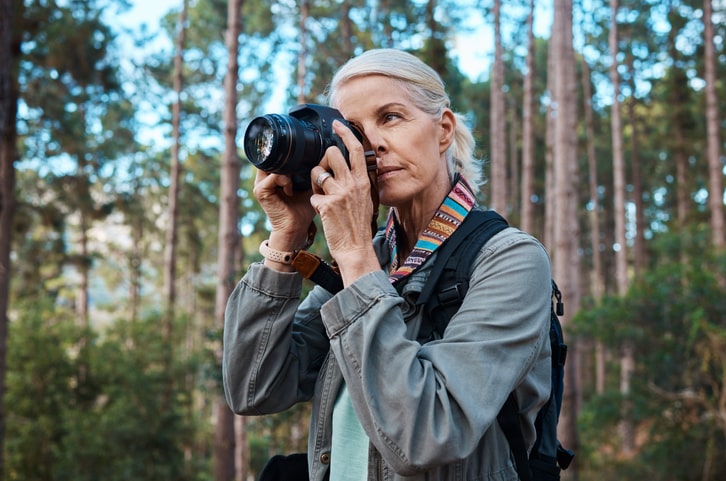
<point x="441" y="297"/>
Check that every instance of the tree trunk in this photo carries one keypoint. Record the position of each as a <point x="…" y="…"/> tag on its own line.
<point x="135" y="281"/>
<point x="527" y="207"/>
<point x="303" y="53"/>
<point x="224" y="439"/>
<point x="597" y="278"/>
<point x="497" y="123"/>
<point x="715" y="169"/>
<point x="640" y="260"/>
<point x="231" y="454"/>
<point x="84" y="256"/>
<point x="174" y="176"/>
<point x="346" y="30"/>
<point x="550" y="183"/>
<point x="677" y="111"/>
<point x="621" y="261"/>
<point x="618" y="159"/>
<point x="83" y="263"/>
<point x="565" y="229"/>
<point x="513" y="186"/>
<point x="9" y="53"/>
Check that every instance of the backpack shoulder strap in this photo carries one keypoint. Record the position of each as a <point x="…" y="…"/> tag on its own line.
<point x="448" y="281"/>
<point x="547" y="456"/>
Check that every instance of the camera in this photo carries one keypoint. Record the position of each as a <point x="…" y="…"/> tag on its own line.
<point x="293" y="144"/>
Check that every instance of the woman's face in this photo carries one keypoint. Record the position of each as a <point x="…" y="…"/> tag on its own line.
<point x="409" y="143"/>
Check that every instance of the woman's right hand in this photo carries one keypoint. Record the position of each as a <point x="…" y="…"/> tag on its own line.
<point x="288" y="211"/>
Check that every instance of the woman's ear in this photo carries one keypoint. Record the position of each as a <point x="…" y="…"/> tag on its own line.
<point x="447" y="130"/>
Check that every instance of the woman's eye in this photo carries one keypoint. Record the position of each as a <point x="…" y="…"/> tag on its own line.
<point x="391" y="116"/>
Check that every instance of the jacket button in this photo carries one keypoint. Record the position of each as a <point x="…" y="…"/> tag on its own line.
<point x="325" y="458"/>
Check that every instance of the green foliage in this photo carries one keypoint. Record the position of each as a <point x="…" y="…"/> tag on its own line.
<point x="675" y="319"/>
<point x="86" y="407"/>
<point x="114" y="402"/>
<point x="281" y="433"/>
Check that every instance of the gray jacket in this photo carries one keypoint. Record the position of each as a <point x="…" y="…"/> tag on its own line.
<point x="429" y="410"/>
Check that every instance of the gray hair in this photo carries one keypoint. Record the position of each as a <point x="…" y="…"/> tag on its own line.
<point x="426" y="91"/>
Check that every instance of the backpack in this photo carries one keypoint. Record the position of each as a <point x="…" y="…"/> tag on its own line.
<point x="441" y="297"/>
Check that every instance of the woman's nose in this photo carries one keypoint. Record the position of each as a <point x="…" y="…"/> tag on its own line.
<point x="375" y="139"/>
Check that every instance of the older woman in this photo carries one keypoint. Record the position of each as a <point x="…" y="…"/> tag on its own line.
<point x="384" y="405"/>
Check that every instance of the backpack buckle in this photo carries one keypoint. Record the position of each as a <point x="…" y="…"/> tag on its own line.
<point x="451" y="295"/>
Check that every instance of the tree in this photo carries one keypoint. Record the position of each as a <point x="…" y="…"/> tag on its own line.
<point x="679" y="118"/>
<point x="640" y="258"/>
<point x="627" y="431"/>
<point x="74" y="99"/>
<point x="715" y="170"/>
<point x="527" y="214"/>
<point x="113" y="427"/>
<point x="302" y="55"/>
<point x="597" y="278"/>
<point x="174" y="174"/>
<point x="674" y="318"/>
<point x="497" y="122"/>
<point x="9" y="53"/>
<point x="228" y="247"/>
<point x="563" y="198"/>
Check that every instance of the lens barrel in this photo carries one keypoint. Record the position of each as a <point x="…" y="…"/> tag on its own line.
<point x="281" y="144"/>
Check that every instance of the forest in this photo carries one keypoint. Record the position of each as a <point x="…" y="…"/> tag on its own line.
<point x="127" y="215"/>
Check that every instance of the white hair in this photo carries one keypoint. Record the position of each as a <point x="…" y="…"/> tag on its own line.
<point x="426" y="91"/>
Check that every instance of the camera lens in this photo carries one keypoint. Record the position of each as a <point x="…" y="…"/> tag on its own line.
<point x="282" y="144"/>
<point x="267" y="142"/>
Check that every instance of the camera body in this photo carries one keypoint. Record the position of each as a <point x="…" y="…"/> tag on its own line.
<point x="295" y="143"/>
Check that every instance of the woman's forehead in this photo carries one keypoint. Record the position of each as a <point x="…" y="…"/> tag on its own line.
<point x="370" y="91"/>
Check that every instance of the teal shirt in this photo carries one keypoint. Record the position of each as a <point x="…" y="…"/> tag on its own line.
<point x="349" y="450"/>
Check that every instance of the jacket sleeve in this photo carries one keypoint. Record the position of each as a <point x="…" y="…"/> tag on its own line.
<point x="428" y="405"/>
<point x="273" y="346"/>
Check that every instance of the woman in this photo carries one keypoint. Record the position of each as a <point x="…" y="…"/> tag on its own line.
<point x="385" y="406"/>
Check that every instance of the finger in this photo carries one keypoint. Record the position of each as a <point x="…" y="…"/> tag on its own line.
<point x="266" y="182"/>
<point x="320" y="179"/>
<point x="354" y="146"/>
<point x="260" y="176"/>
<point x="319" y="176"/>
<point x="334" y="162"/>
<point x="284" y="182"/>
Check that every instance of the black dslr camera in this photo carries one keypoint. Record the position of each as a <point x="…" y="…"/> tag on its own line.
<point x="293" y="144"/>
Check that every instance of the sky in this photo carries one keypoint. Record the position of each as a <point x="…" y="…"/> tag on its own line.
<point x="148" y="11"/>
<point x="472" y="48"/>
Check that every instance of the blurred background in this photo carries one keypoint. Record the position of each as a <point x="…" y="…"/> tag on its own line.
<point x="126" y="214"/>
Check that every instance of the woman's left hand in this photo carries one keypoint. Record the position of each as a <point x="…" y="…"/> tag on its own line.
<point x="344" y="204"/>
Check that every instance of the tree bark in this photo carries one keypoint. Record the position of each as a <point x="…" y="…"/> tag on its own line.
<point x="676" y="130"/>
<point x="346" y="30"/>
<point x="597" y="277"/>
<point x="513" y="185"/>
<point x="565" y="229"/>
<point x="640" y="260"/>
<point x="497" y="122"/>
<point x="527" y="205"/>
<point x="715" y="169"/>
<point x="231" y="454"/>
<point x="621" y="262"/>
<point x="9" y="53"/>
<point x="550" y="128"/>
<point x="174" y="176"/>
<point x="303" y="53"/>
